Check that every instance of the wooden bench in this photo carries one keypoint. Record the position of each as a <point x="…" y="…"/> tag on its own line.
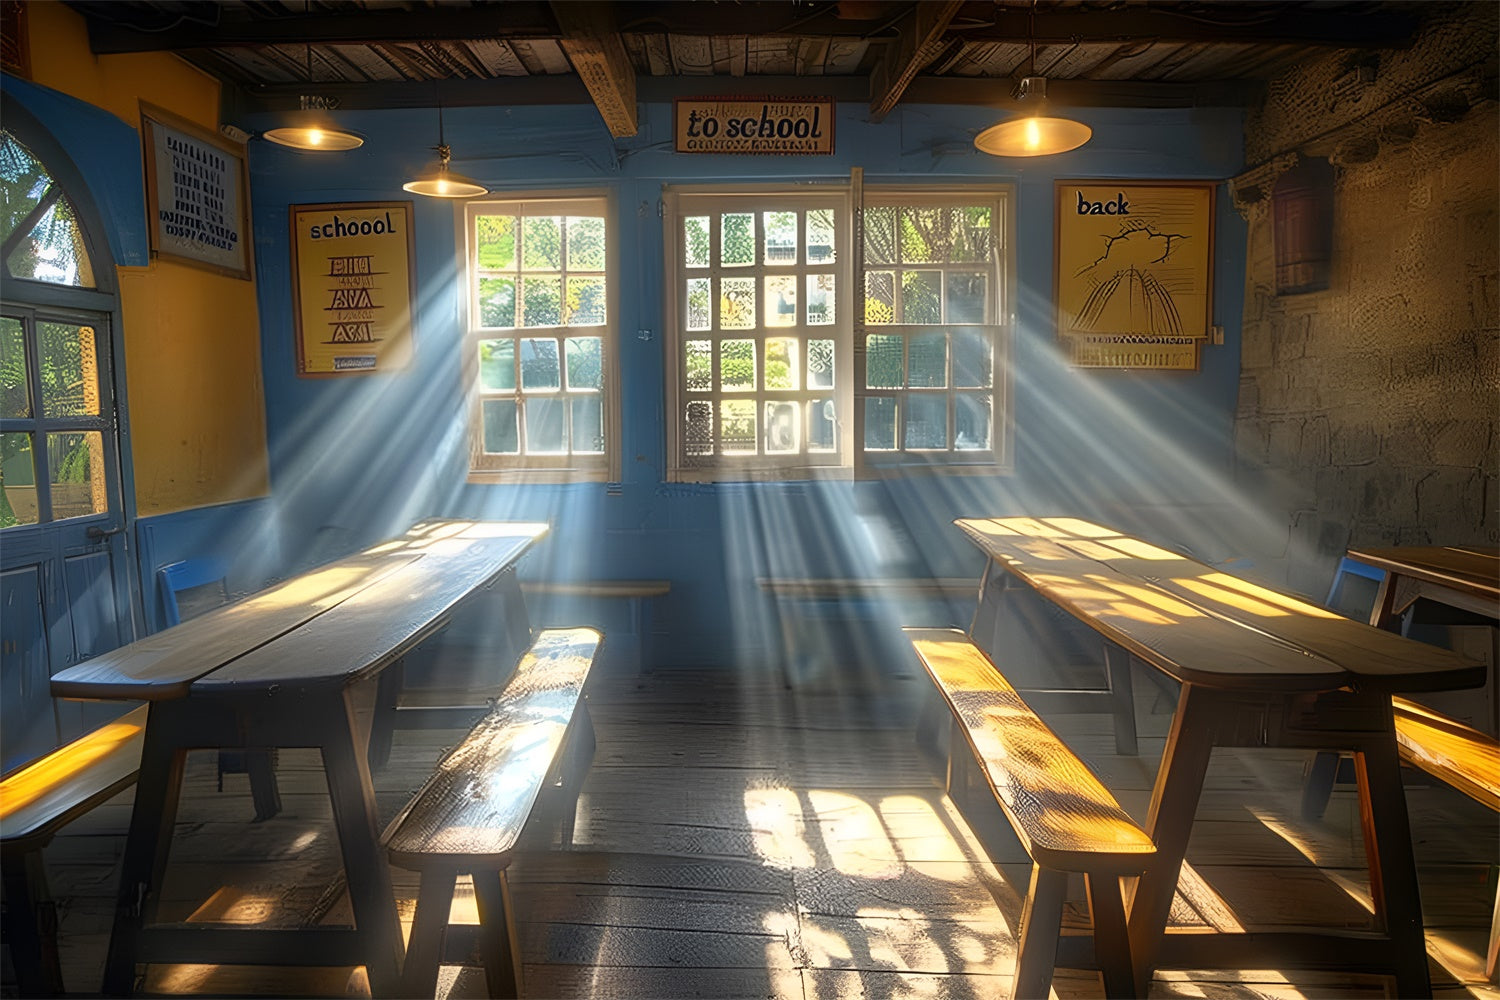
<point x="1064" y="818"/>
<point x="36" y="801"/>
<point x="468" y="816"/>
<point x="640" y="594"/>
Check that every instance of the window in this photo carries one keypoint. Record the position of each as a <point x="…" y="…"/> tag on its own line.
<point x="541" y="337"/>
<point x="770" y="372"/>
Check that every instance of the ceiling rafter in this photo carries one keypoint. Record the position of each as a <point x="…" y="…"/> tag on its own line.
<point x="594" y="48"/>
<point x="919" y="42"/>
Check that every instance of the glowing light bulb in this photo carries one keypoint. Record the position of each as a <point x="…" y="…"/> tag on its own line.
<point x="442" y="186"/>
<point x="315" y="136"/>
<point x="1033" y="134"/>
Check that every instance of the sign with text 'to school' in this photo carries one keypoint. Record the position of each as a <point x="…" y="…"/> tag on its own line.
<point x="785" y="126"/>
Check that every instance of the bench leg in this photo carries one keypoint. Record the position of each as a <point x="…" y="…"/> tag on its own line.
<point x="499" y="942"/>
<point x="261" y="766"/>
<point x="1041" y="923"/>
<point x="1492" y="953"/>
<point x="1318" y="785"/>
<point x="1111" y="942"/>
<point x="30" y="927"/>
<point x="383" y="723"/>
<point x="1117" y="674"/>
<point x="424" y="950"/>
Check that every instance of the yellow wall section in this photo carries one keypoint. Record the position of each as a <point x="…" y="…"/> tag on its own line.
<point x="192" y="338"/>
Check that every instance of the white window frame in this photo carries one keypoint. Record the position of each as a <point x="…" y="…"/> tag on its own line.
<point x="490" y="467"/>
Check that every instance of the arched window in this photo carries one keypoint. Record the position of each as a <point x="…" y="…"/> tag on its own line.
<point x="43" y="240"/>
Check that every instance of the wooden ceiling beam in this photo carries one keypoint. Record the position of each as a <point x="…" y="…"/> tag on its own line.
<point x="599" y="58"/>
<point x="919" y="42"/>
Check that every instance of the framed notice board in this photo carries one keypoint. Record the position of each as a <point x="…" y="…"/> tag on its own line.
<point x="352" y="286"/>
<point x="196" y="194"/>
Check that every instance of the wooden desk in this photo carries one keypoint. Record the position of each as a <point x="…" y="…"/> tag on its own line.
<point x="1257" y="669"/>
<point x="292" y="666"/>
<point x="1464" y="577"/>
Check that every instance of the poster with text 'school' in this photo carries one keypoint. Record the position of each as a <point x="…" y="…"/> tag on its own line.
<point x="352" y="287"/>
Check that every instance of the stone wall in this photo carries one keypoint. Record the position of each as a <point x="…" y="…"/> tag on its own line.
<point x="1368" y="411"/>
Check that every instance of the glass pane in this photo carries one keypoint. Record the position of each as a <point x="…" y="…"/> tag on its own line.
<point x="497" y="364"/>
<point x="585" y="306"/>
<point x="541" y="301"/>
<point x="541" y="243"/>
<point x="70" y="374"/>
<point x="17" y="480"/>
<point x="880" y="423"/>
<point x="497" y="302"/>
<point x="820" y="364"/>
<point x="544" y="427"/>
<point x="880" y="297"/>
<point x="695" y="241"/>
<point x="968" y="292"/>
<point x="781" y="300"/>
<point x="15" y="388"/>
<point x="921" y="297"/>
<point x="736" y="303"/>
<point x="737" y="426"/>
<point x="54" y="250"/>
<point x="77" y="468"/>
<point x="585" y="243"/>
<point x="698" y="365"/>
<point x="821" y="237"/>
<point x="822" y="430"/>
<point x="499" y="417"/>
<point x="972" y="368"/>
<point x="971" y="421"/>
<point x="699" y="435"/>
<point x="26" y="182"/>
<point x="588" y="425"/>
<point x="922" y="235"/>
<point x="737" y="364"/>
<point x="820" y="299"/>
<point x="585" y="362"/>
<point x="971" y="233"/>
<point x="927" y="360"/>
<point x="780" y="236"/>
<point x="884" y="364"/>
<point x="698" y="317"/>
<point x="737" y="239"/>
<point x="880" y="235"/>
<point x="495" y="242"/>
<point x="539" y="366"/>
<point x="781" y="363"/>
<point x="926" y="421"/>
<point x="783" y="427"/>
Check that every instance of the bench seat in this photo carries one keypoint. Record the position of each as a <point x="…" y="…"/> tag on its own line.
<point x="639" y="594"/>
<point x="1066" y="820"/>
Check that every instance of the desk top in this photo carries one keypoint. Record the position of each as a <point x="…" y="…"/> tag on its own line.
<point x="1204" y="626"/>
<point x="339" y="621"/>
<point x="1469" y="568"/>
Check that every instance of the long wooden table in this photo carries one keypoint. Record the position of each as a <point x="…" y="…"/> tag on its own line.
<point x="293" y="666"/>
<point x="1464" y="577"/>
<point x="1257" y="669"/>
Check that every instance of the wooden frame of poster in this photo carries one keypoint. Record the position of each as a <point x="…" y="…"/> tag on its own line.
<point x="197" y="194"/>
<point x="1133" y="272"/>
<point x="353" y="286"/>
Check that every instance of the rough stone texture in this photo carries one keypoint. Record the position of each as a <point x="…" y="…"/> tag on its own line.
<point x="1378" y="397"/>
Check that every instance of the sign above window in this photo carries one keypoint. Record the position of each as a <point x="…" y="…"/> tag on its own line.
<point x="784" y="126"/>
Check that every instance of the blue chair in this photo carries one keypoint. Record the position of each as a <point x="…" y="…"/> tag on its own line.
<point x="1350" y="567"/>
<point x="174" y="581"/>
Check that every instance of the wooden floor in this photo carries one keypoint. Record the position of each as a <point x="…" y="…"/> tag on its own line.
<point x="737" y="839"/>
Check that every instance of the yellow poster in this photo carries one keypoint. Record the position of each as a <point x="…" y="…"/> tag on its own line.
<point x="1135" y="260"/>
<point x="352" y="286"/>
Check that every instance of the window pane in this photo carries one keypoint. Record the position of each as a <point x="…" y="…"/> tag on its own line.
<point x="820" y="364"/>
<point x="926" y="421"/>
<point x="15" y="388"/>
<point x="698" y="317"/>
<point x="781" y="363"/>
<point x="585" y="362"/>
<point x="927" y="360"/>
<point x="585" y="243"/>
<point x="967" y="296"/>
<point x="736" y="303"/>
<point x="497" y="365"/>
<point x="698" y="365"/>
<point x="737" y="365"/>
<point x="541" y="301"/>
<point x="541" y="243"/>
<point x="820" y="299"/>
<point x="921" y="297"/>
<point x="821" y="237"/>
<point x="499" y="418"/>
<point x="972" y="368"/>
<point x="971" y="233"/>
<point x="585" y="301"/>
<point x="17" y="480"/>
<point x="54" y="251"/>
<point x="699" y="436"/>
<point x="780" y="236"/>
<point x="822" y="431"/>
<point x="497" y="302"/>
<point x="781" y="300"/>
<point x="737" y="426"/>
<point x="24" y="175"/>
<point x="880" y="297"/>
<point x="495" y="242"/>
<point x="880" y="423"/>
<point x="971" y="421"/>
<point x="544" y="427"/>
<point x="922" y="235"/>
<point x="588" y="425"/>
<point x="70" y="376"/>
<point x="539" y="367"/>
<point x="77" y="470"/>
<point x="737" y="239"/>
<point x="695" y="241"/>
<point x="880" y="235"/>
<point x="783" y="427"/>
<point x="884" y="364"/>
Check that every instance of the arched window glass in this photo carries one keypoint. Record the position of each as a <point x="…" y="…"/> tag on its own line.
<point x="42" y="240"/>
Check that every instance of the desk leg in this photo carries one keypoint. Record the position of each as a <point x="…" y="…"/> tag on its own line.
<point x="987" y="607"/>
<point x="1174" y="800"/>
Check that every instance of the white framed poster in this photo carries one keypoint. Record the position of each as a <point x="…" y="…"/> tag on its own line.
<point x="197" y="194"/>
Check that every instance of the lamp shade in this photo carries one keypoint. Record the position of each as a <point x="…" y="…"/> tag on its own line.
<point x="314" y="137"/>
<point x="1032" y="136"/>
<point x="440" y="182"/>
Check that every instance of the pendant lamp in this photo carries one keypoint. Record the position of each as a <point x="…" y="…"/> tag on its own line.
<point x="439" y="181"/>
<point x="1036" y="134"/>
<point x="318" y="136"/>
